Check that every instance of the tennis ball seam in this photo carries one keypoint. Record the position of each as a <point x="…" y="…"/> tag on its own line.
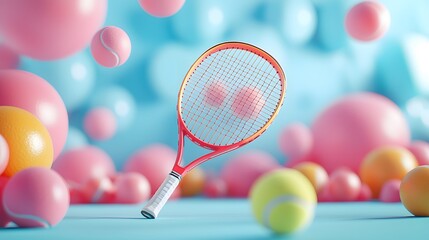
<point x="109" y="49"/>
<point x="280" y="200"/>
<point x="45" y="223"/>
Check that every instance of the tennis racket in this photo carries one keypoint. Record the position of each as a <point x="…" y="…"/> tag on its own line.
<point x="228" y="98"/>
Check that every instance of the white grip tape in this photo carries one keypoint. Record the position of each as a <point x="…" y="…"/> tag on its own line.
<point x="157" y="202"/>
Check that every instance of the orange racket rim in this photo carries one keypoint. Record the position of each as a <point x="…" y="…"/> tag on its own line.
<point x="224" y="46"/>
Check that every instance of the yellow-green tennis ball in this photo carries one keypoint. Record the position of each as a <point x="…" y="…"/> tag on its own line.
<point x="283" y="201"/>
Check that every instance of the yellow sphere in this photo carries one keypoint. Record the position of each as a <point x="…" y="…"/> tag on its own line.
<point x="192" y="183"/>
<point x="30" y="144"/>
<point x="283" y="201"/>
<point x="384" y="164"/>
<point x="414" y="191"/>
<point x="315" y="173"/>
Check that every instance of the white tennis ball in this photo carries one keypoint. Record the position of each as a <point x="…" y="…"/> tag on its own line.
<point x="283" y="201"/>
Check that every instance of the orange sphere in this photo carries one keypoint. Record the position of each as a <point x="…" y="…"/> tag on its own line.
<point x="315" y="173"/>
<point x="384" y="164"/>
<point x="414" y="191"/>
<point x="192" y="183"/>
<point x="30" y="144"/>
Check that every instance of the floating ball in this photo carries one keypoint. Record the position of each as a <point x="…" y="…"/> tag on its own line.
<point x="8" y="58"/>
<point x="365" y="193"/>
<point x="295" y="19"/>
<point x="100" y="124"/>
<point x="390" y="191"/>
<point x="161" y="8"/>
<point x="29" y="142"/>
<point x="414" y="191"/>
<point x="73" y="77"/>
<point x="420" y="150"/>
<point x="98" y="190"/>
<point x="132" y="188"/>
<point x="296" y="140"/>
<point x="192" y="183"/>
<point x="36" y="197"/>
<point x="4" y="154"/>
<point x="4" y="218"/>
<point x="344" y="185"/>
<point x="240" y="172"/>
<point x="371" y="119"/>
<point x="50" y="29"/>
<point x="215" y="93"/>
<point x="79" y="165"/>
<point x="248" y="103"/>
<point x="27" y="91"/>
<point x="367" y="21"/>
<point x="154" y="162"/>
<point x="283" y="201"/>
<point x="384" y="164"/>
<point x="215" y="188"/>
<point x="315" y="173"/>
<point x="111" y="47"/>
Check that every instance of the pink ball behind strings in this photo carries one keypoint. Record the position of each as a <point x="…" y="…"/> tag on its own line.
<point x="248" y="103"/>
<point x="215" y="94"/>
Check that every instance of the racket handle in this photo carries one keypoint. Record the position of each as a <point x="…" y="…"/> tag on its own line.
<point x="157" y="202"/>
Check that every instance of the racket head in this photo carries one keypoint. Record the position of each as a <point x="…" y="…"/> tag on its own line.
<point x="237" y="66"/>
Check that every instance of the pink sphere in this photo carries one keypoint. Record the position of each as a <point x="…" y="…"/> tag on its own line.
<point x="111" y="47"/>
<point x="390" y="191"/>
<point x="132" y="188"/>
<point x="215" y="188"/>
<point x="367" y="21"/>
<point x="241" y="172"/>
<point x="76" y="193"/>
<point x="100" y="124"/>
<point x="324" y="194"/>
<point x="4" y="218"/>
<point x="295" y="141"/>
<point x="344" y="185"/>
<point x="154" y="162"/>
<point x="365" y="193"/>
<point x="215" y="93"/>
<point x="50" y="29"/>
<point x="79" y="165"/>
<point x="345" y="132"/>
<point x="8" y="58"/>
<point x="248" y="103"/>
<point x="161" y="8"/>
<point x="36" y="197"/>
<point x="420" y="150"/>
<point x="4" y="154"/>
<point x="32" y="93"/>
<point x="98" y="190"/>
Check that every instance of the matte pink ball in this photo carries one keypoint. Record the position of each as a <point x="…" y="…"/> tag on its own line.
<point x="248" y="103"/>
<point x="215" y="93"/>
<point x="50" y="29"/>
<point x="161" y="8"/>
<point x="4" y="218"/>
<point x="154" y="162"/>
<point x="215" y="188"/>
<point x="8" y="58"/>
<point x="345" y="132"/>
<point x="390" y="191"/>
<point x="296" y="141"/>
<point x="241" y="172"/>
<point x="420" y="150"/>
<point x="111" y="47"/>
<point x="32" y="93"/>
<point x="100" y="124"/>
<point x="36" y="197"/>
<point x="4" y="154"/>
<point x="132" y="188"/>
<point x="344" y="185"/>
<point x="367" y="21"/>
<point x="79" y="165"/>
<point x="365" y="193"/>
<point x="324" y="195"/>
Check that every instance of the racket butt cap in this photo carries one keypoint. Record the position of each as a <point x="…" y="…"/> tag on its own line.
<point x="147" y="214"/>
